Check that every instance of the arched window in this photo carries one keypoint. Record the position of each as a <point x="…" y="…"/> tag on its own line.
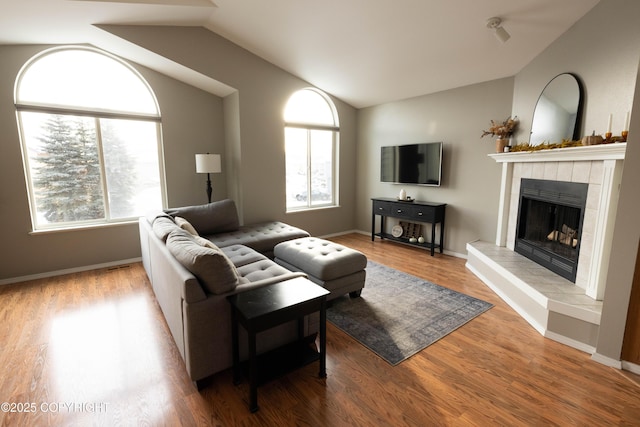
<point x="311" y="146"/>
<point x="90" y="131"/>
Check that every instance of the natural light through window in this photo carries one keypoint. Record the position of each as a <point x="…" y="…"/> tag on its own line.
<point x="311" y="141"/>
<point x="90" y="132"/>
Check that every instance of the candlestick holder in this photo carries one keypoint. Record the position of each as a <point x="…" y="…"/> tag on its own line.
<point x="624" y="135"/>
<point x="607" y="137"/>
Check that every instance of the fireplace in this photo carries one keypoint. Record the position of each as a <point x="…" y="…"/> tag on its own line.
<point x="549" y="227"/>
<point x="557" y="308"/>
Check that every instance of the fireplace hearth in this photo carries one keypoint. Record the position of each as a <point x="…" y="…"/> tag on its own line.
<point x="549" y="227"/>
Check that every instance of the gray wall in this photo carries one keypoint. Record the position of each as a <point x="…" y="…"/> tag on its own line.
<point x="605" y="61"/>
<point x="470" y="181"/>
<point x="192" y="122"/>
<point x="626" y="238"/>
<point x="254" y="117"/>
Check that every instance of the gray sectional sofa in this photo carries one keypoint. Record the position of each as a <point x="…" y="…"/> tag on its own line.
<point x="195" y="257"/>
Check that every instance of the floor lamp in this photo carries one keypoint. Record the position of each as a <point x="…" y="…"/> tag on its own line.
<point x="208" y="163"/>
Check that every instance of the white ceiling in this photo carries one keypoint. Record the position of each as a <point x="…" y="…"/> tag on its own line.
<point x="365" y="52"/>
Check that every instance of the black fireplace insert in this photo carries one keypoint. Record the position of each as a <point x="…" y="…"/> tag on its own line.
<point x="549" y="228"/>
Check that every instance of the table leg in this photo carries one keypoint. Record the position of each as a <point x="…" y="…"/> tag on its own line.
<point x="253" y="373"/>
<point x="373" y="226"/>
<point x="323" y="339"/>
<point x="235" y="347"/>
<point x="433" y="237"/>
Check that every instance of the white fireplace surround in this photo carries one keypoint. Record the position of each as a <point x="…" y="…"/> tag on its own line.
<point x="599" y="166"/>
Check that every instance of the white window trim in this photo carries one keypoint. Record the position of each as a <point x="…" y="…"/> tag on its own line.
<point x="97" y="114"/>
<point x="335" y="147"/>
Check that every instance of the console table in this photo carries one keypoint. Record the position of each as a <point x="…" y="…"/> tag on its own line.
<point x="418" y="211"/>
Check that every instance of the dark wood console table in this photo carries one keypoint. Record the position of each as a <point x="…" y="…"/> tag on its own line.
<point x="417" y="211"/>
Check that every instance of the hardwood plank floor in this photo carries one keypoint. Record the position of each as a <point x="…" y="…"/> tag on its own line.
<point x="93" y="349"/>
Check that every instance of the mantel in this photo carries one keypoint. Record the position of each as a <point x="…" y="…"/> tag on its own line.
<point x="613" y="151"/>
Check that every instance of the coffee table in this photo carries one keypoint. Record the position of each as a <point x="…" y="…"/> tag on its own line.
<point x="264" y="308"/>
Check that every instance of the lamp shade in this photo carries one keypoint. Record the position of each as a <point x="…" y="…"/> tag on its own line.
<point x="208" y="163"/>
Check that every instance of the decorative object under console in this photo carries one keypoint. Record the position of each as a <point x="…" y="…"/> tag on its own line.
<point x="426" y="212"/>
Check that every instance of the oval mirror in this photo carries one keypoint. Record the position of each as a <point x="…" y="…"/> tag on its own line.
<point x="558" y="110"/>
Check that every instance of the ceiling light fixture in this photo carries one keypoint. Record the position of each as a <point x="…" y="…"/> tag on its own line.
<point x="495" y="24"/>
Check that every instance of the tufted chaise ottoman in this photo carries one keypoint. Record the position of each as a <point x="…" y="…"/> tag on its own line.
<point x="337" y="268"/>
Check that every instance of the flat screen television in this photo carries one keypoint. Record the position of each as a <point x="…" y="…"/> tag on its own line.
<point x="412" y="163"/>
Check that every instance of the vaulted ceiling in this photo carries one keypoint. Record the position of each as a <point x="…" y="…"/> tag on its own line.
<point x="365" y="52"/>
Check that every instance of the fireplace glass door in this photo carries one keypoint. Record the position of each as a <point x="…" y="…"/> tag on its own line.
<point x="549" y="224"/>
<point x="552" y="227"/>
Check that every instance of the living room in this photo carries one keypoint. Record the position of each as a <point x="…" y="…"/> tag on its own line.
<point x="602" y="48"/>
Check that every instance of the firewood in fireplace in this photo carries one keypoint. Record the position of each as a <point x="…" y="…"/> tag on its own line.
<point x="567" y="236"/>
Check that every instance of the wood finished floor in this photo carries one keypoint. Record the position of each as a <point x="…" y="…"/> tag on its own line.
<point x="97" y="340"/>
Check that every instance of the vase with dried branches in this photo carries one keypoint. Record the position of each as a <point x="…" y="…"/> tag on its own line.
<point x="502" y="131"/>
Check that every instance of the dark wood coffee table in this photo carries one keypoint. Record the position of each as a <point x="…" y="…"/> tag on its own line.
<point x="264" y="308"/>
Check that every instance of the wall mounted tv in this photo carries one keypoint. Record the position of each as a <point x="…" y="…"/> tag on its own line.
<point x="412" y="163"/>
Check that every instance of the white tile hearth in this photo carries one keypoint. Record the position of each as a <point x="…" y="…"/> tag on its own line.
<point x="552" y="289"/>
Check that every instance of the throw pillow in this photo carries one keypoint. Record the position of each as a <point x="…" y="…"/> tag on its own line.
<point x="162" y="226"/>
<point x="205" y="242"/>
<point x="153" y="215"/>
<point x="185" y="225"/>
<point x="213" y="269"/>
<point x="212" y="218"/>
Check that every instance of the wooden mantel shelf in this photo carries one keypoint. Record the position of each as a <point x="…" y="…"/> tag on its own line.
<point x="613" y="151"/>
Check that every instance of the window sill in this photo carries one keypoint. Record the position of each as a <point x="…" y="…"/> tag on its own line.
<point x="315" y="208"/>
<point x="82" y="227"/>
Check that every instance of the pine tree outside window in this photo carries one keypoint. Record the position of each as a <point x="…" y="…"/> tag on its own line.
<point x="90" y="131"/>
<point x="311" y="146"/>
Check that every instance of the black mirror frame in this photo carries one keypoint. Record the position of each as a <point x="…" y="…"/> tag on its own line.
<point x="579" y="112"/>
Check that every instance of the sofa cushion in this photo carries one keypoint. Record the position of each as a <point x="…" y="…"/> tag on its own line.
<point x="162" y="226"/>
<point x="206" y="243"/>
<point x="212" y="218"/>
<point x="242" y="255"/>
<point x="185" y="225"/>
<point x="261" y="270"/>
<point x="262" y="237"/>
<point x="213" y="269"/>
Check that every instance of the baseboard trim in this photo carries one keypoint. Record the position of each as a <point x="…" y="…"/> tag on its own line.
<point x="45" y="275"/>
<point x="341" y="233"/>
<point x="631" y="367"/>
<point x="570" y="342"/>
<point x="605" y="360"/>
<point x="368" y="233"/>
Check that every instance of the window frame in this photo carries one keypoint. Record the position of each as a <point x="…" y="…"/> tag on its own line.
<point x="335" y="138"/>
<point x="97" y="115"/>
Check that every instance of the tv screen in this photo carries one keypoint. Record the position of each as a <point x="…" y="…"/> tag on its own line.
<point x="412" y="163"/>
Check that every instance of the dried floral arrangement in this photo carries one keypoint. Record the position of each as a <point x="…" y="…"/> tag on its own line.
<point x="502" y="130"/>
<point x="546" y="146"/>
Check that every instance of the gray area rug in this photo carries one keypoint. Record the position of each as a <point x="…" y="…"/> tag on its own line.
<point x="398" y="314"/>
